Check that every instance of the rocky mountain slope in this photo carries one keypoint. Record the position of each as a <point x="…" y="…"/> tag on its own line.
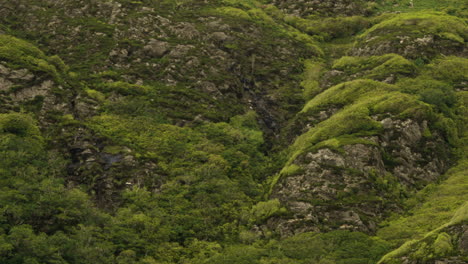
<point x="233" y="131"/>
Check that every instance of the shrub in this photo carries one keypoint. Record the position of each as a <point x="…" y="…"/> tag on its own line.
<point x="18" y="124"/>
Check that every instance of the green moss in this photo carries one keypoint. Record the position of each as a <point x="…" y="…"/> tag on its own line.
<point x="460" y="216"/>
<point x="311" y="77"/>
<point x="450" y="6"/>
<point x="405" y="31"/>
<point x="259" y="14"/>
<point x="351" y="120"/>
<point x="113" y="149"/>
<point x="338" y="143"/>
<point x="452" y="70"/>
<point x="124" y="88"/>
<point x="264" y="210"/>
<point x="437" y="23"/>
<point x="357" y="102"/>
<point x="234" y="12"/>
<point x="21" y="54"/>
<point x="443" y="245"/>
<point x="291" y="170"/>
<point x="376" y="67"/>
<point x="329" y="28"/>
<point x="96" y="95"/>
<point x="437" y="205"/>
<point x="18" y="124"/>
<point x="340" y="247"/>
<point x="344" y="94"/>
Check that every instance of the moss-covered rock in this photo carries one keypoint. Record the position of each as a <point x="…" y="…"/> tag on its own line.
<point x="415" y="35"/>
<point x="357" y="146"/>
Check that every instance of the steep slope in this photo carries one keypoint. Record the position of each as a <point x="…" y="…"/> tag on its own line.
<point x="230" y="131"/>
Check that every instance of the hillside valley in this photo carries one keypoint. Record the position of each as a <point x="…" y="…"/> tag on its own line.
<point x="233" y="131"/>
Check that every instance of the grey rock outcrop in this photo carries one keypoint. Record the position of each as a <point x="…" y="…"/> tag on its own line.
<point x="355" y="188"/>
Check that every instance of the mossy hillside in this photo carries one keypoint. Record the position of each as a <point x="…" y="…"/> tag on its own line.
<point x="437" y="23"/>
<point x="20" y="125"/>
<point x="327" y="29"/>
<point x="156" y="100"/>
<point x="436" y="244"/>
<point x="338" y="247"/>
<point x="311" y="77"/>
<point x="269" y="16"/>
<point x="376" y="67"/>
<point x="454" y="7"/>
<point x="114" y="42"/>
<point x="430" y="208"/>
<point x="21" y="54"/>
<point x="327" y="9"/>
<point x="344" y="94"/>
<point x="451" y="70"/>
<point x="357" y="100"/>
<point x="175" y="148"/>
<point x="436" y="204"/>
<point x="399" y="33"/>
<point x="32" y="190"/>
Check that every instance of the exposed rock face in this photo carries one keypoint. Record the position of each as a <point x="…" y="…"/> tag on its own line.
<point x="355" y="188"/>
<point x="21" y="86"/>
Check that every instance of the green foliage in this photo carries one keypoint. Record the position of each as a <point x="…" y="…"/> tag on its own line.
<point x="437" y="93"/>
<point x="450" y="70"/>
<point x="376" y="67"/>
<point x="311" y="78"/>
<point x="432" y="207"/>
<point x="443" y="244"/>
<point x="263" y="210"/>
<point x="450" y="6"/>
<point x="329" y="28"/>
<point x="434" y="245"/>
<point x="234" y="12"/>
<point x="198" y="166"/>
<point x="408" y="31"/>
<point x="437" y="23"/>
<point x="21" y="54"/>
<point x="124" y="88"/>
<point x="334" y="247"/>
<point x="18" y="124"/>
<point x="345" y="94"/>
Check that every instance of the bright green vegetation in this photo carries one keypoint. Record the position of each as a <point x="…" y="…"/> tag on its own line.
<point x="327" y="29"/>
<point x="450" y="69"/>
<point x="144" y="159"/>
<point x="432" y="207"/>
<point x="358" y="101"/>
<point x="21" y="54"/>
<point x="407" y="30"/>
<point x="311" y="79"/>
<point x="451" y="6"/>
<point x="269" y="16"/>
<point x="376" y="67"/>
<point x="333" y="247"/>
<point x="435" y="244"/>
<point x="440" y="24"/>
